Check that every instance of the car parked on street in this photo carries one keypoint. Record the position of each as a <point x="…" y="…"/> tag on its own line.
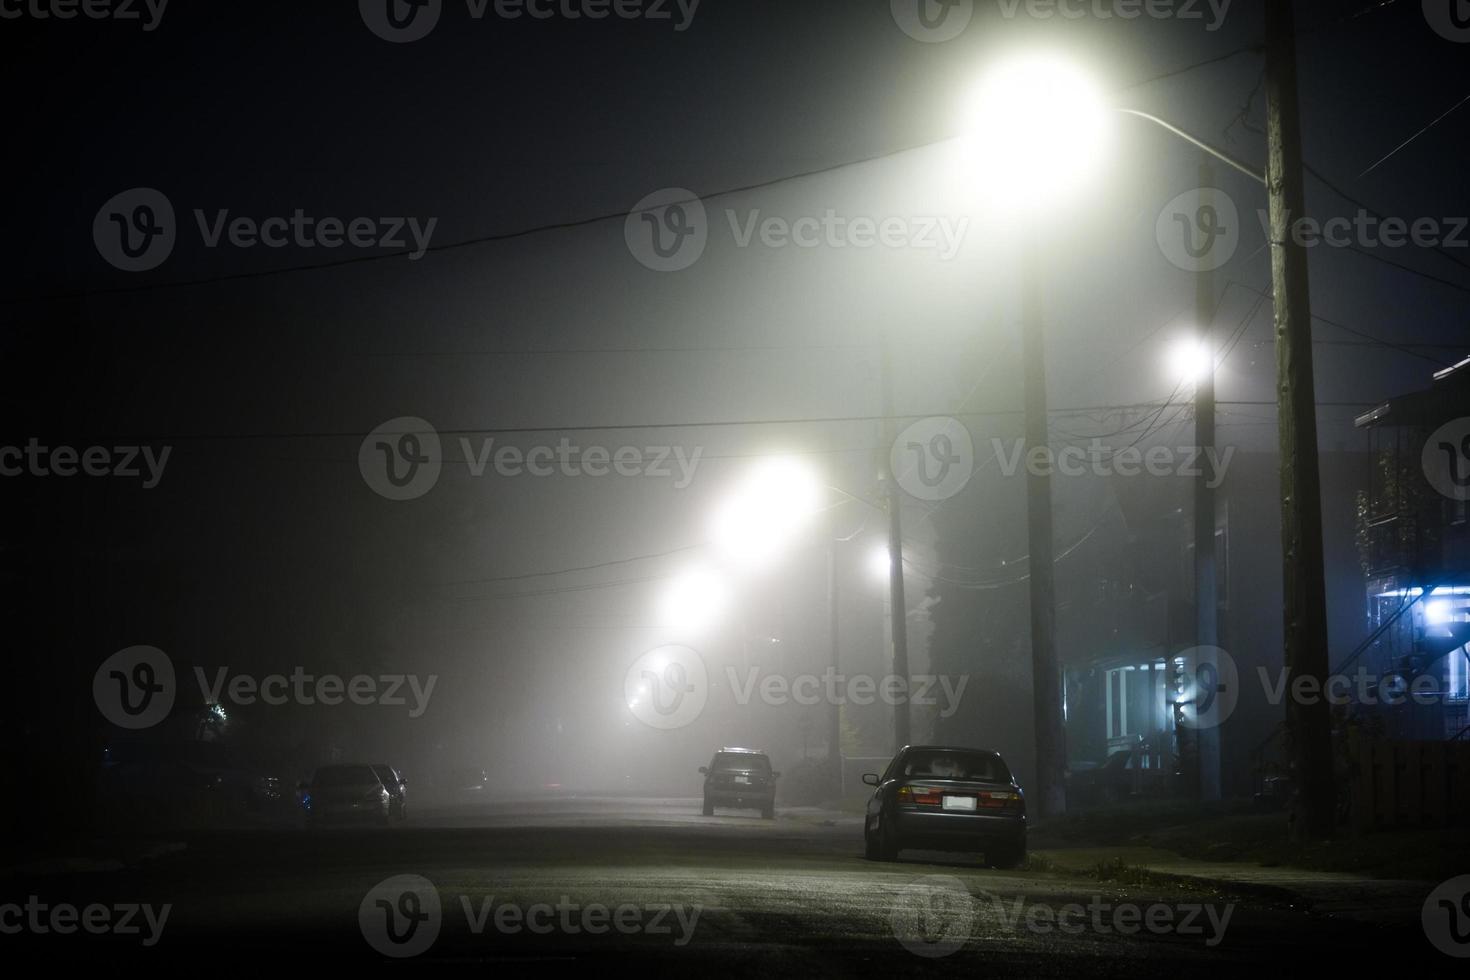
<point x="346" y="794"/>
<point x="941" y="798"/>
<point x="397" y="786"/>
<point x="740" y="778"/>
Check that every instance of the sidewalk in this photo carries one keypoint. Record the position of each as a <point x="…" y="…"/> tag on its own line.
<point x="1353" y="896"/>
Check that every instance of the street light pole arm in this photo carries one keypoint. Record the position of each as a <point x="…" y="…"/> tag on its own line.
<point x="1218" y="154"/>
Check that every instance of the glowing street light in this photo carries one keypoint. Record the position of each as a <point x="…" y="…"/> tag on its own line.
<point x="767" y="509"/>
<point x="694" y="601"/>
<point x="880" y="563"/>
<point x="1035" y="130"/>
<point x="1191" y="361"/>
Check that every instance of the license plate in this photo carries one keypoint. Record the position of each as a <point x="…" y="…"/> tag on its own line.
<point x="959" y="803"/>
<point x="743" y="779"/>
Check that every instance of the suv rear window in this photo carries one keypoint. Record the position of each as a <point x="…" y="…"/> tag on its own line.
<point x="742" y="761"/>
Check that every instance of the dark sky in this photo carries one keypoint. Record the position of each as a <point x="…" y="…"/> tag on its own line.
<point x="268" y="547"/>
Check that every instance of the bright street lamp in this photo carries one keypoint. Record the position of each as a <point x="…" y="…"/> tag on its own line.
<point x="1190" y="361"/>
<point x="694" y="601"/>
<point x="767" y="509"/>
<point x="1035" y="131"/>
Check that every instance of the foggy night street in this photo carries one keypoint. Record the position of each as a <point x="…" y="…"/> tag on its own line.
<point x="736" y="488"/>
<point x="794" y="894"/>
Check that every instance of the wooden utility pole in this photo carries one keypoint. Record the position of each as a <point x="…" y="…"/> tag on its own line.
<point x="898" y="611"/>
<point x="1046" y="680"/>
<point x="1309" y="726"/>
<point x="1207" y="632"/>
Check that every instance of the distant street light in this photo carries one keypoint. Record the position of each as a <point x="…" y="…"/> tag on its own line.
<point x="694" y="601"/>
<point x="757" y="523"/>
<point x="880" y="563"/>
<point x="1191" y="361"/>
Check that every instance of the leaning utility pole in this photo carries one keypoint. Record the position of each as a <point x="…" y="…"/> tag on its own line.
<point x="1309" y="726"/>
<point x="1046" y="682"/>
<point x="1206" y="604"/>
<point x="898" y="611"/>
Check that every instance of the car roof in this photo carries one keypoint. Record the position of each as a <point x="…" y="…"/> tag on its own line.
<point x="949" y="748"/>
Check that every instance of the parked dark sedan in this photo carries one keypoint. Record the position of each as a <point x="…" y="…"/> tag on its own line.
<point x="346" y="794"/>
<point x="938" y="798"/>
<point x="397" y="788"/>
<point x="740" y="778"/>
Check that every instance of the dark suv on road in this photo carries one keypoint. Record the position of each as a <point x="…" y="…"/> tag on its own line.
<point x="740" y="778"/>
<point x="938" y="798"/>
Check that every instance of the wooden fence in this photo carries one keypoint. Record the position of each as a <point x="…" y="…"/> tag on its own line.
<point x="1409" y="784"/>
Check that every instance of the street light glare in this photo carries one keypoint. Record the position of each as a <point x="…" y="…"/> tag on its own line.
<point x="1190" y="361"/>
<point x="766" y="510"/>
<point x="880" y="562"/>
<point x="1035" y="130"/>
<point x="694" y="601"/>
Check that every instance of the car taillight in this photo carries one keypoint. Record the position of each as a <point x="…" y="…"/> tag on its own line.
<point x="1000" y="801"/>
<point x="920" y="796"/>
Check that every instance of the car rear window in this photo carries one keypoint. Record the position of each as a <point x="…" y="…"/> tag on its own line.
<point x="345" y="776"/>
<point x="947" y="764"/>
<point x="743" y="761"/>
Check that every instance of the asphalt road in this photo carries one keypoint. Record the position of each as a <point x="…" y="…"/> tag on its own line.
<point x="594" y="882"/>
